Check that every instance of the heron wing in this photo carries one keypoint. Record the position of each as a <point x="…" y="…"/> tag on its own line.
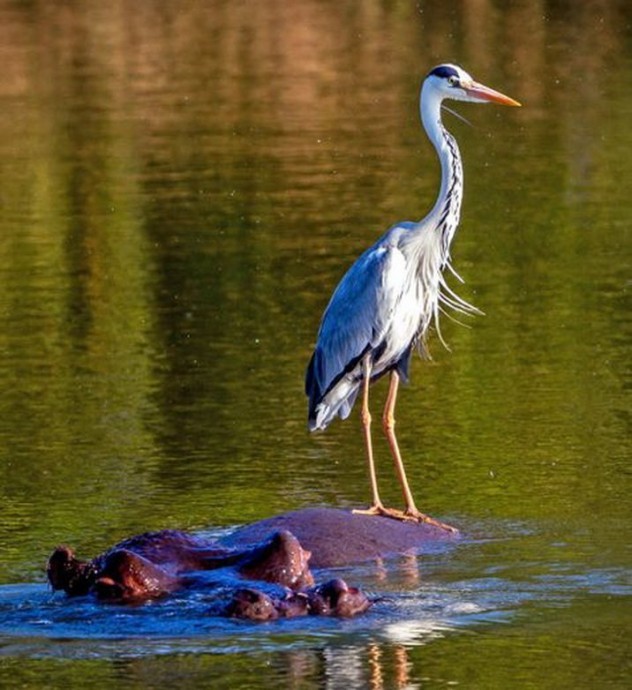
<point x="357" y="317"/>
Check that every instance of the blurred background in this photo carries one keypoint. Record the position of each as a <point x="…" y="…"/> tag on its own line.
<point x="183" y="184"/>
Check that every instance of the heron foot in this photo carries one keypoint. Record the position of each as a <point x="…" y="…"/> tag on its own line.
<point x="393" y="513"/>
<point x="418" y="516"/>
<point x="375" y="509"/>
<point x="408" y="515"/>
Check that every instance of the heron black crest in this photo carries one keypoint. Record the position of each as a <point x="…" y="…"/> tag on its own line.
<point x="444" y="72"/>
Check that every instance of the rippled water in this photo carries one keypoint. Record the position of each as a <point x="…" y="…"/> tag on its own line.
<point x="182" y="185"/>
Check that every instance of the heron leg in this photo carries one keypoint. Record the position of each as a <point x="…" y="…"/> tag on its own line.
<point x="388" y="422"/>
<point x="377" y="507"/>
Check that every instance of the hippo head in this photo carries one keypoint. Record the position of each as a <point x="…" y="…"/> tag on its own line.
<point x="281" y="559"/>
<point x="336" y="598"/>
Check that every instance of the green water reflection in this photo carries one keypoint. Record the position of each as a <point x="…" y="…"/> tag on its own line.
<point x="183" y="184"/>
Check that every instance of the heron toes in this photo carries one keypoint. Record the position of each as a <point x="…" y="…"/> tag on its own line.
<point x="373" y="510"/>
<point x="417" y="516"/>
<point x="408" y="515"/>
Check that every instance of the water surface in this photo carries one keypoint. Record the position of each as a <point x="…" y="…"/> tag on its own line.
<point x="182" y="187"/>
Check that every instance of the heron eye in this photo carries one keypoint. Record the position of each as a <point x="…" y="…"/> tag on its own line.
<point x="453" y="80"/>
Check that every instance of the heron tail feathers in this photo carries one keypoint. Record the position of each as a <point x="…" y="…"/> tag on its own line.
<point x="337" y="402"/>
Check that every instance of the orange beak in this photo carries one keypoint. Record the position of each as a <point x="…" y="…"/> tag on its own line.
<point x="484" y="93"/>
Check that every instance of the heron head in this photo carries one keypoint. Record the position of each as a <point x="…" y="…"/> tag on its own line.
<point x="451" y="81"/>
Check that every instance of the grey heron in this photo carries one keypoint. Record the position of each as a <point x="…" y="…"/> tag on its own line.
<point x="388" y="299"/>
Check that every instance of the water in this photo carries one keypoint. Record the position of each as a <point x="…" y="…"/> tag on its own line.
<point x="181" y="187"/>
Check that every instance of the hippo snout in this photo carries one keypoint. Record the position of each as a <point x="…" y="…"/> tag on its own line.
<point x="336" y="598"/>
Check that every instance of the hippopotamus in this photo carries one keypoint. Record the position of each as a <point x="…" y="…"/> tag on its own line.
<point x="261" y="570"/>
<point x="154" y="564"/>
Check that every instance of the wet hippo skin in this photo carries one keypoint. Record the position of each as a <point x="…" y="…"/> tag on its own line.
<point x="338" y="537"/>
<point x="155" y="563"/>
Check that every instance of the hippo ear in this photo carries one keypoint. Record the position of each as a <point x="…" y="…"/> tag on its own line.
<point x="59" y="565"/>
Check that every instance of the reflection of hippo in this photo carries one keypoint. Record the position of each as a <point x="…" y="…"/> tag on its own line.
<point x="153" y="564"/>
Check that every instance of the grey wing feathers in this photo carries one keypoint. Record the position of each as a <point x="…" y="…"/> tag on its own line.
<point x="354" y="322"/>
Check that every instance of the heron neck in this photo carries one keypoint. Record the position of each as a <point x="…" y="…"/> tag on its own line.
<point x="444" y="216"/>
